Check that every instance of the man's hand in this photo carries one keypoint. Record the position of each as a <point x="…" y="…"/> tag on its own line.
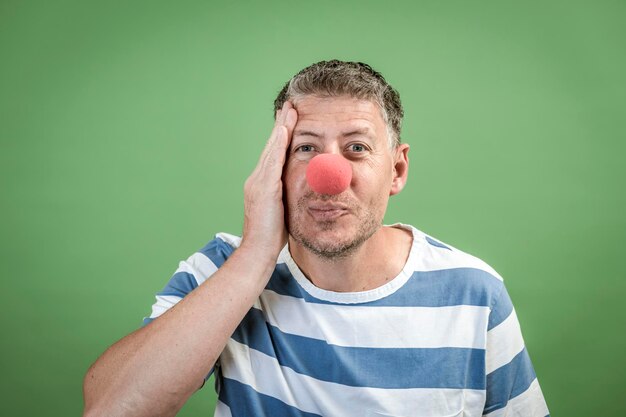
<point x="264" y="214"/>
<point x="155" y="369"/>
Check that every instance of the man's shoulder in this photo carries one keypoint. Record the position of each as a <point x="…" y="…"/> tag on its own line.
<point x="433" y="254"/>
<point x="442" y="275"/>
<point x="208" y="259"/>
<point x="220" y="247"/>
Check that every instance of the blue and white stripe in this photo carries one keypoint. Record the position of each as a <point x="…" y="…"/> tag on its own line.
<point x="441" y="339"/>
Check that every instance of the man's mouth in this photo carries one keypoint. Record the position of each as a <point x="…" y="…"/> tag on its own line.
<point x="325" y="211"/>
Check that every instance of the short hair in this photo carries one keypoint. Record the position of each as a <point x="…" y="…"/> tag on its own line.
<point x="347" y="78"/>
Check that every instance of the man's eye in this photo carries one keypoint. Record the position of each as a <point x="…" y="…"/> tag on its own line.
<point x="304" y="148"/>
<point x="357" y="147"/>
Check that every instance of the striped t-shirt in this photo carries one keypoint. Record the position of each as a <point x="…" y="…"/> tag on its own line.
<point x="440" y="339"/>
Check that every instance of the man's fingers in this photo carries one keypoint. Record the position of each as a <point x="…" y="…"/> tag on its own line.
<point x="291" y="117"/>
<point x="284" y="111"/>
<point x="281" y="115"/>
<point x="280" y="137"/>
<point x="277" y="149"/>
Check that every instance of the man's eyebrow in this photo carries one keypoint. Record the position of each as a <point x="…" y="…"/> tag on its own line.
<point x="364" y="131"/>
<point x="300" y="132"/>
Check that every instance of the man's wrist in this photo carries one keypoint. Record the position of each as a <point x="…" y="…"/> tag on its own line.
<point x="258" y="257"/>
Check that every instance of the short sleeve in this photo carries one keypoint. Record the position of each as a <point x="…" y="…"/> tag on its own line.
<point x="512" y="386"/>
<point x="191" y="273"/>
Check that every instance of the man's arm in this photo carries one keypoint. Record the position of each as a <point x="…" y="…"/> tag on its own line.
<point x="154" y="370"/>
<point x="512" y="386"/>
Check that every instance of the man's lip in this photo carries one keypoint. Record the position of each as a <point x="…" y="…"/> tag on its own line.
<point x="326" y="213"/>
<point x="327" y="206"/>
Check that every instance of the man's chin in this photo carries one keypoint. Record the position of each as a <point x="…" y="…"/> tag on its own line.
<point x="329" y="250"/>
<point x="332" y="243"/>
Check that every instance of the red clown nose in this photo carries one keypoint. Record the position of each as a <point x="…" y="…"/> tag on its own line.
<point x="328" y="174"/>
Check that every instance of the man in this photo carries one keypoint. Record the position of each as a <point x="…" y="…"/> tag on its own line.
<point x="319" y="309"/>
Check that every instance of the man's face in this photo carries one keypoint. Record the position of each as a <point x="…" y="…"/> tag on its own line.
<point x="333" y="225"/>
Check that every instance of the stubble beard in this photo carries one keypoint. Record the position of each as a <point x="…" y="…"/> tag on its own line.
<point x="368" y="224"/>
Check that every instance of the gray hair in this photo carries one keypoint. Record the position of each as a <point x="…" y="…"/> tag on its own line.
<point x="345" y="78"/>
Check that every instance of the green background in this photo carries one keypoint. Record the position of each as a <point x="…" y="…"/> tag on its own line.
<point x="127" y="130"/>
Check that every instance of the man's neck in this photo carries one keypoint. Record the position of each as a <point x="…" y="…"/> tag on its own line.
<point x="377" y="261"/>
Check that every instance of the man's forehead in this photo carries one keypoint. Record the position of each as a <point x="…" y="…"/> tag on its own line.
<point x="346" y="110"/>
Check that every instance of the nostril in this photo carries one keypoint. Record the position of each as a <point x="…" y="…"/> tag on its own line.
<point x="328" y="174"/>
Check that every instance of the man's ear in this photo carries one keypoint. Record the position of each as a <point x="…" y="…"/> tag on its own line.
<point x="400" y="168"/>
